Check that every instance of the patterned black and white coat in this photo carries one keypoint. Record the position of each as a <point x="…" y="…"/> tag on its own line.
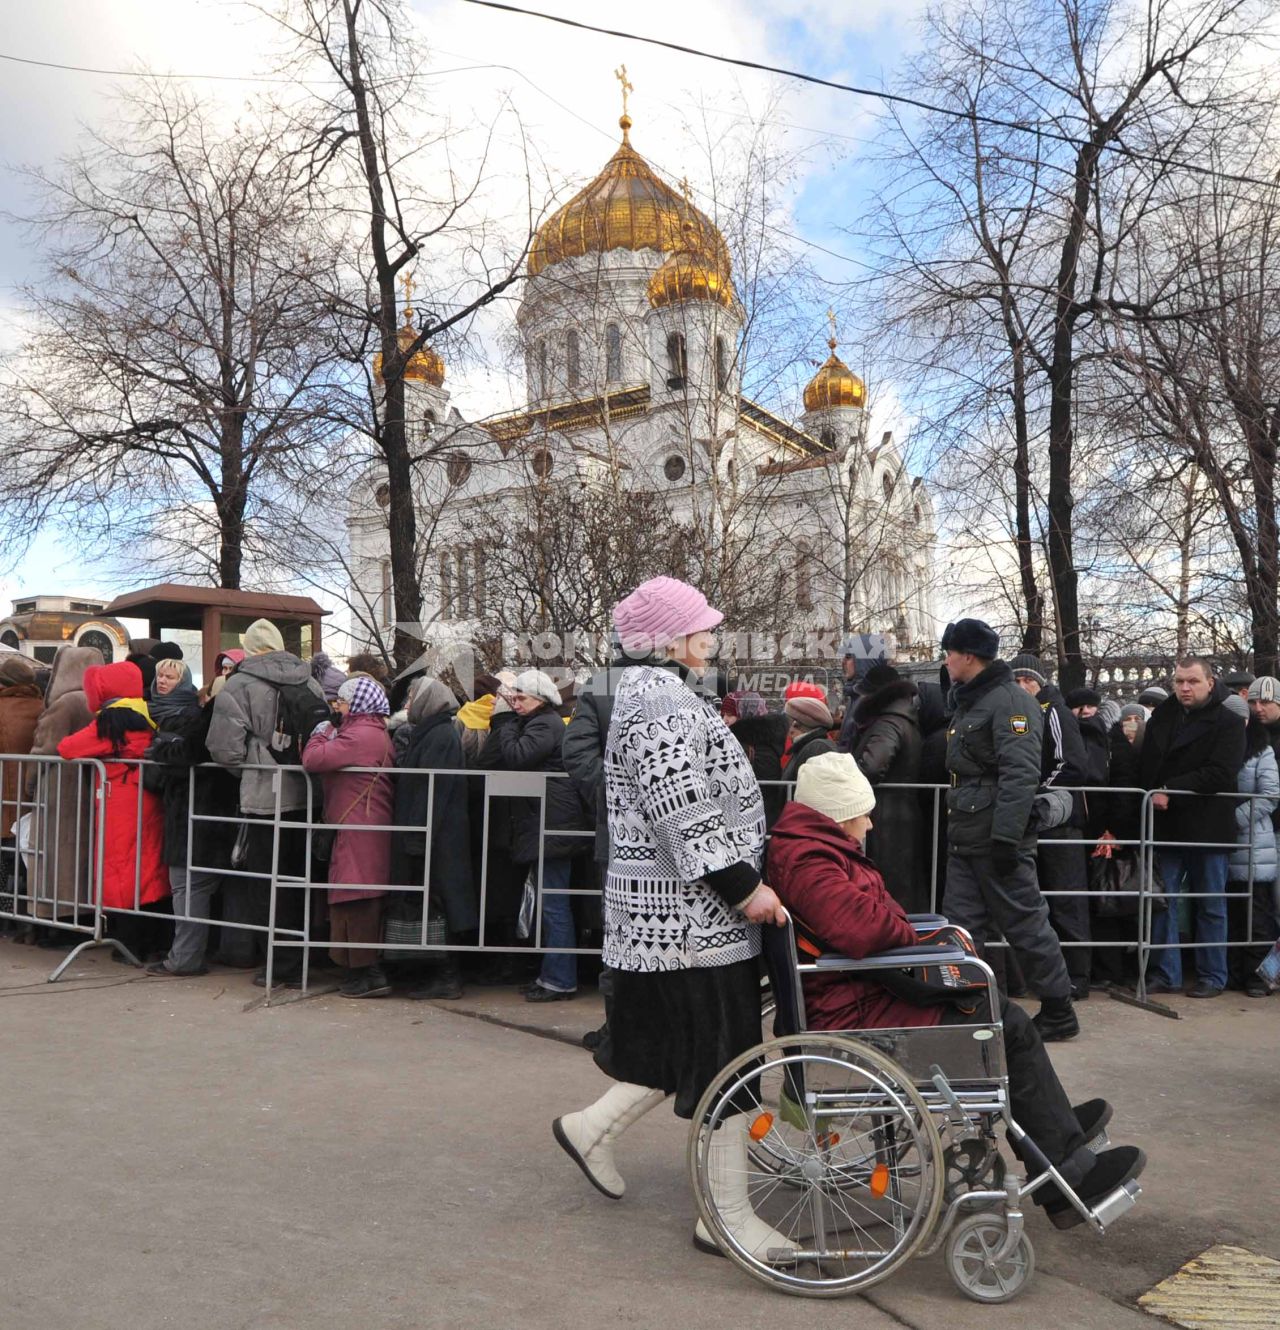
<point x="682" y="802"/>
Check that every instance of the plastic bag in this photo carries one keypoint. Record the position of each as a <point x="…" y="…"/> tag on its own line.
<point x="528" y="905"/>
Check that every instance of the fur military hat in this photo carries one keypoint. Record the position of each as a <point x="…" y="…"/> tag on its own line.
<point x="1084" y="697"/>
<point x="972" y="636"/>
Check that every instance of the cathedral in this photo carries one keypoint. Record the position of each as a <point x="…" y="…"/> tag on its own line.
<point x="631" y="334"/>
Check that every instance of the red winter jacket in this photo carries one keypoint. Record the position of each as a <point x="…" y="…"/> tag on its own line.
<point x="826" y="881"/>
<point x="124" y="864"/>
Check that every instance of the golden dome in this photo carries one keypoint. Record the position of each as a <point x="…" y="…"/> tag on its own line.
<point x="690" y="274"/>
<point x="424" y="366"/>
<point x="835" y="384"/>
<point x="627" y="206"/>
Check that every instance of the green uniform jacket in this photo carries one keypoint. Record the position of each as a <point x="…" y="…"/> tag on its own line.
<point x="993" y="755"/>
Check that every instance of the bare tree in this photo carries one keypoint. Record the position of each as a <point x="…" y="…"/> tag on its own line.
<point x="179" y="371"/>
<point x="1021" y="226"/>
<point x="359" y="142"/>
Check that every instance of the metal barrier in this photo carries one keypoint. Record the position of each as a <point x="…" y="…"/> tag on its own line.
<point x="76" y="815"/>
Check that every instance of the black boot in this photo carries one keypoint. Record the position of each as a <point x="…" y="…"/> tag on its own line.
<point x="444" y="985"/>
<point x="1113" y="1169"/>
<point x="1056" y="1020"/>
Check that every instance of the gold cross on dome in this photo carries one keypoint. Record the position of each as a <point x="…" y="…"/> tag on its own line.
<point x="621" y="75"/>
<point x="408" y="284"/>
<point x="831" y="319"/>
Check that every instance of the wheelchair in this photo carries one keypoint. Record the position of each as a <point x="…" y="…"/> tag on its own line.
<point x="870" y="1147"/>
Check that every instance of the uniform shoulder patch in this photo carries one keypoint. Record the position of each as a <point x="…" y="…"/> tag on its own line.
<point x="1019" y="724"/>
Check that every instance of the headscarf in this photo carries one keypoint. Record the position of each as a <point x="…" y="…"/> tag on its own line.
<point x="260" y="637"/>
<point x="233" y="654"/>
<point x="180" y="700"/>
<point x="429" y="697"/>
<point x="366" y="696"/>
<point x="743" y="704"/>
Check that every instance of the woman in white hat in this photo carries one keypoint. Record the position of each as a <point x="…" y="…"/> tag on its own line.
<point x="525" y="734"/>
<point x="683" y="898"/>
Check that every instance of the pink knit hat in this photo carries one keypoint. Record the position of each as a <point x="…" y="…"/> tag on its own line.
<point x="660" y="610"/>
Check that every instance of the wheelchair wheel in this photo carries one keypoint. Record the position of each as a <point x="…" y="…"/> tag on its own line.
<point x="971" y="1249"/>
<point x="843" y="1161"/>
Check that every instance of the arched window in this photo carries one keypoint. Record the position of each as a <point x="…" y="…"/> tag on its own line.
<point x="479" y="588"/>
<point x="428" y="422"/>
<point x="804" y="576"/>
<point x="827" y="437"/>
<point x="388" y="601"/>
<point x="613" y="353"/>
<point x="674" y="467"/>
<point x="572" y="360"/>
<point x="463" y="583"/>
<point x="722" y="365"/>
<point x="93" y="638"/>
<point x="886" y="484"/>
<point x="446" y="585"/>
<point x="542" y="369"/>
<point x="10" y="639"/>
<point x="541" y="463"/>
<point x="677" y="360"/>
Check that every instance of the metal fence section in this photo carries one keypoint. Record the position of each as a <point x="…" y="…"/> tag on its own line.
<point x="54" y="838"/>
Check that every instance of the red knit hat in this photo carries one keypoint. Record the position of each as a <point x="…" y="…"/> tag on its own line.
<point x="802" y="688"/>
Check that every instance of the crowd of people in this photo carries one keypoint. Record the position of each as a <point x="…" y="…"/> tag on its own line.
<point x="1036" y="838"/>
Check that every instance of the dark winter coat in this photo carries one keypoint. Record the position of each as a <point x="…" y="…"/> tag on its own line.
<point x="1063" y="761"/>
<point x="582" y="750"/>
<point x="1201" y="751"/>
<point x="435" y="745"/>
<point x="532" y="743"/>
<point x="1121" y="814"/>
<point x="763" y="739"/>
<point x="825" y="880"/>
<point x="887" y="745"/>
<point x="806" y="746"/>
<point x="178" y="746"/>
<point x="1095" y="735"/>
<point x="993" y="755"/>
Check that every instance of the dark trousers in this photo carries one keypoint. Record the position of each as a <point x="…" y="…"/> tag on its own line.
<point x="1037" y="1100"/>
<point x="1242" y="962"/>
<point x="1066" y="868"/>
<point x="248" y="900"/>
<point x="983" y="902"/>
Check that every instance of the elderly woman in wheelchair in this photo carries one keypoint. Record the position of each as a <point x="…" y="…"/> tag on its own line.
<point x="876" y="1103"/>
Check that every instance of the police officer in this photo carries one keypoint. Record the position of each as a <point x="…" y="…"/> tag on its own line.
<point x="993" y="757"/>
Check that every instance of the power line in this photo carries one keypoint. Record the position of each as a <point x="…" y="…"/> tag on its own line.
<point x="894" y="98"/>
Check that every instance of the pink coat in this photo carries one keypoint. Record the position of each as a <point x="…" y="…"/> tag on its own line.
<point x="358" y="797"/>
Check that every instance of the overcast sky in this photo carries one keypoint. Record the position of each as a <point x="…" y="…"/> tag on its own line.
<point x="558" y="81"/>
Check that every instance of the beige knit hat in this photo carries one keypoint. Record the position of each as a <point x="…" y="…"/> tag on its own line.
<point x="833" y="784"/>
<point x="260" y="637"/>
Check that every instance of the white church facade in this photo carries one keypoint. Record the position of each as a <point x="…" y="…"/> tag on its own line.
<point x="631" y="335"/>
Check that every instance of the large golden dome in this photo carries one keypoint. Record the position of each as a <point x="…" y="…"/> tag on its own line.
<point x="424" y="366"/>
<point x="690" y="274"/>
<point x="835" y="384"/>
<point x="627" y="206"/>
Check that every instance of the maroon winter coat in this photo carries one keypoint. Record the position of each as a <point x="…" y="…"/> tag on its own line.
<point x="360" y="797"/>
<point x="831" y="887"/>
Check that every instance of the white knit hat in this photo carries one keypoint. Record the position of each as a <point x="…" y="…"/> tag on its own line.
<point x="533" y="683"/>
<point x="833" y="784"/>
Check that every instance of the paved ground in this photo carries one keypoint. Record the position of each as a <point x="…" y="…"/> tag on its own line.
<point x="175" y="1155"/>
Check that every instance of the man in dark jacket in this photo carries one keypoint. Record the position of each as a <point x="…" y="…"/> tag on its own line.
<point x="887" y="746"/>
<point x="1062" y="866"/>
<point x="993" y="755"/>
<point x="1193" y="743"/>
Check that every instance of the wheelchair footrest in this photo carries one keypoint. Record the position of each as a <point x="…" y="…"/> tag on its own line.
<point x="1102" y="1141"/>
<point x="1120" y="1202"/>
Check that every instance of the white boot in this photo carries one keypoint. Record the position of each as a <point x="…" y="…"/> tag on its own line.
<point x="587" y="1137"/>
<point x="728" y="1171"/>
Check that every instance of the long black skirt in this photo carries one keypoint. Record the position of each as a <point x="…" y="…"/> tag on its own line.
<point x="675" y="1030"/>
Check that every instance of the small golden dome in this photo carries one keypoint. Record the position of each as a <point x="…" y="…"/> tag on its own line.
<point x="689" y="274"/>
<point x="627" y="206"/>
<point x="835" y="384"/>
<point x="424" y="366"/>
